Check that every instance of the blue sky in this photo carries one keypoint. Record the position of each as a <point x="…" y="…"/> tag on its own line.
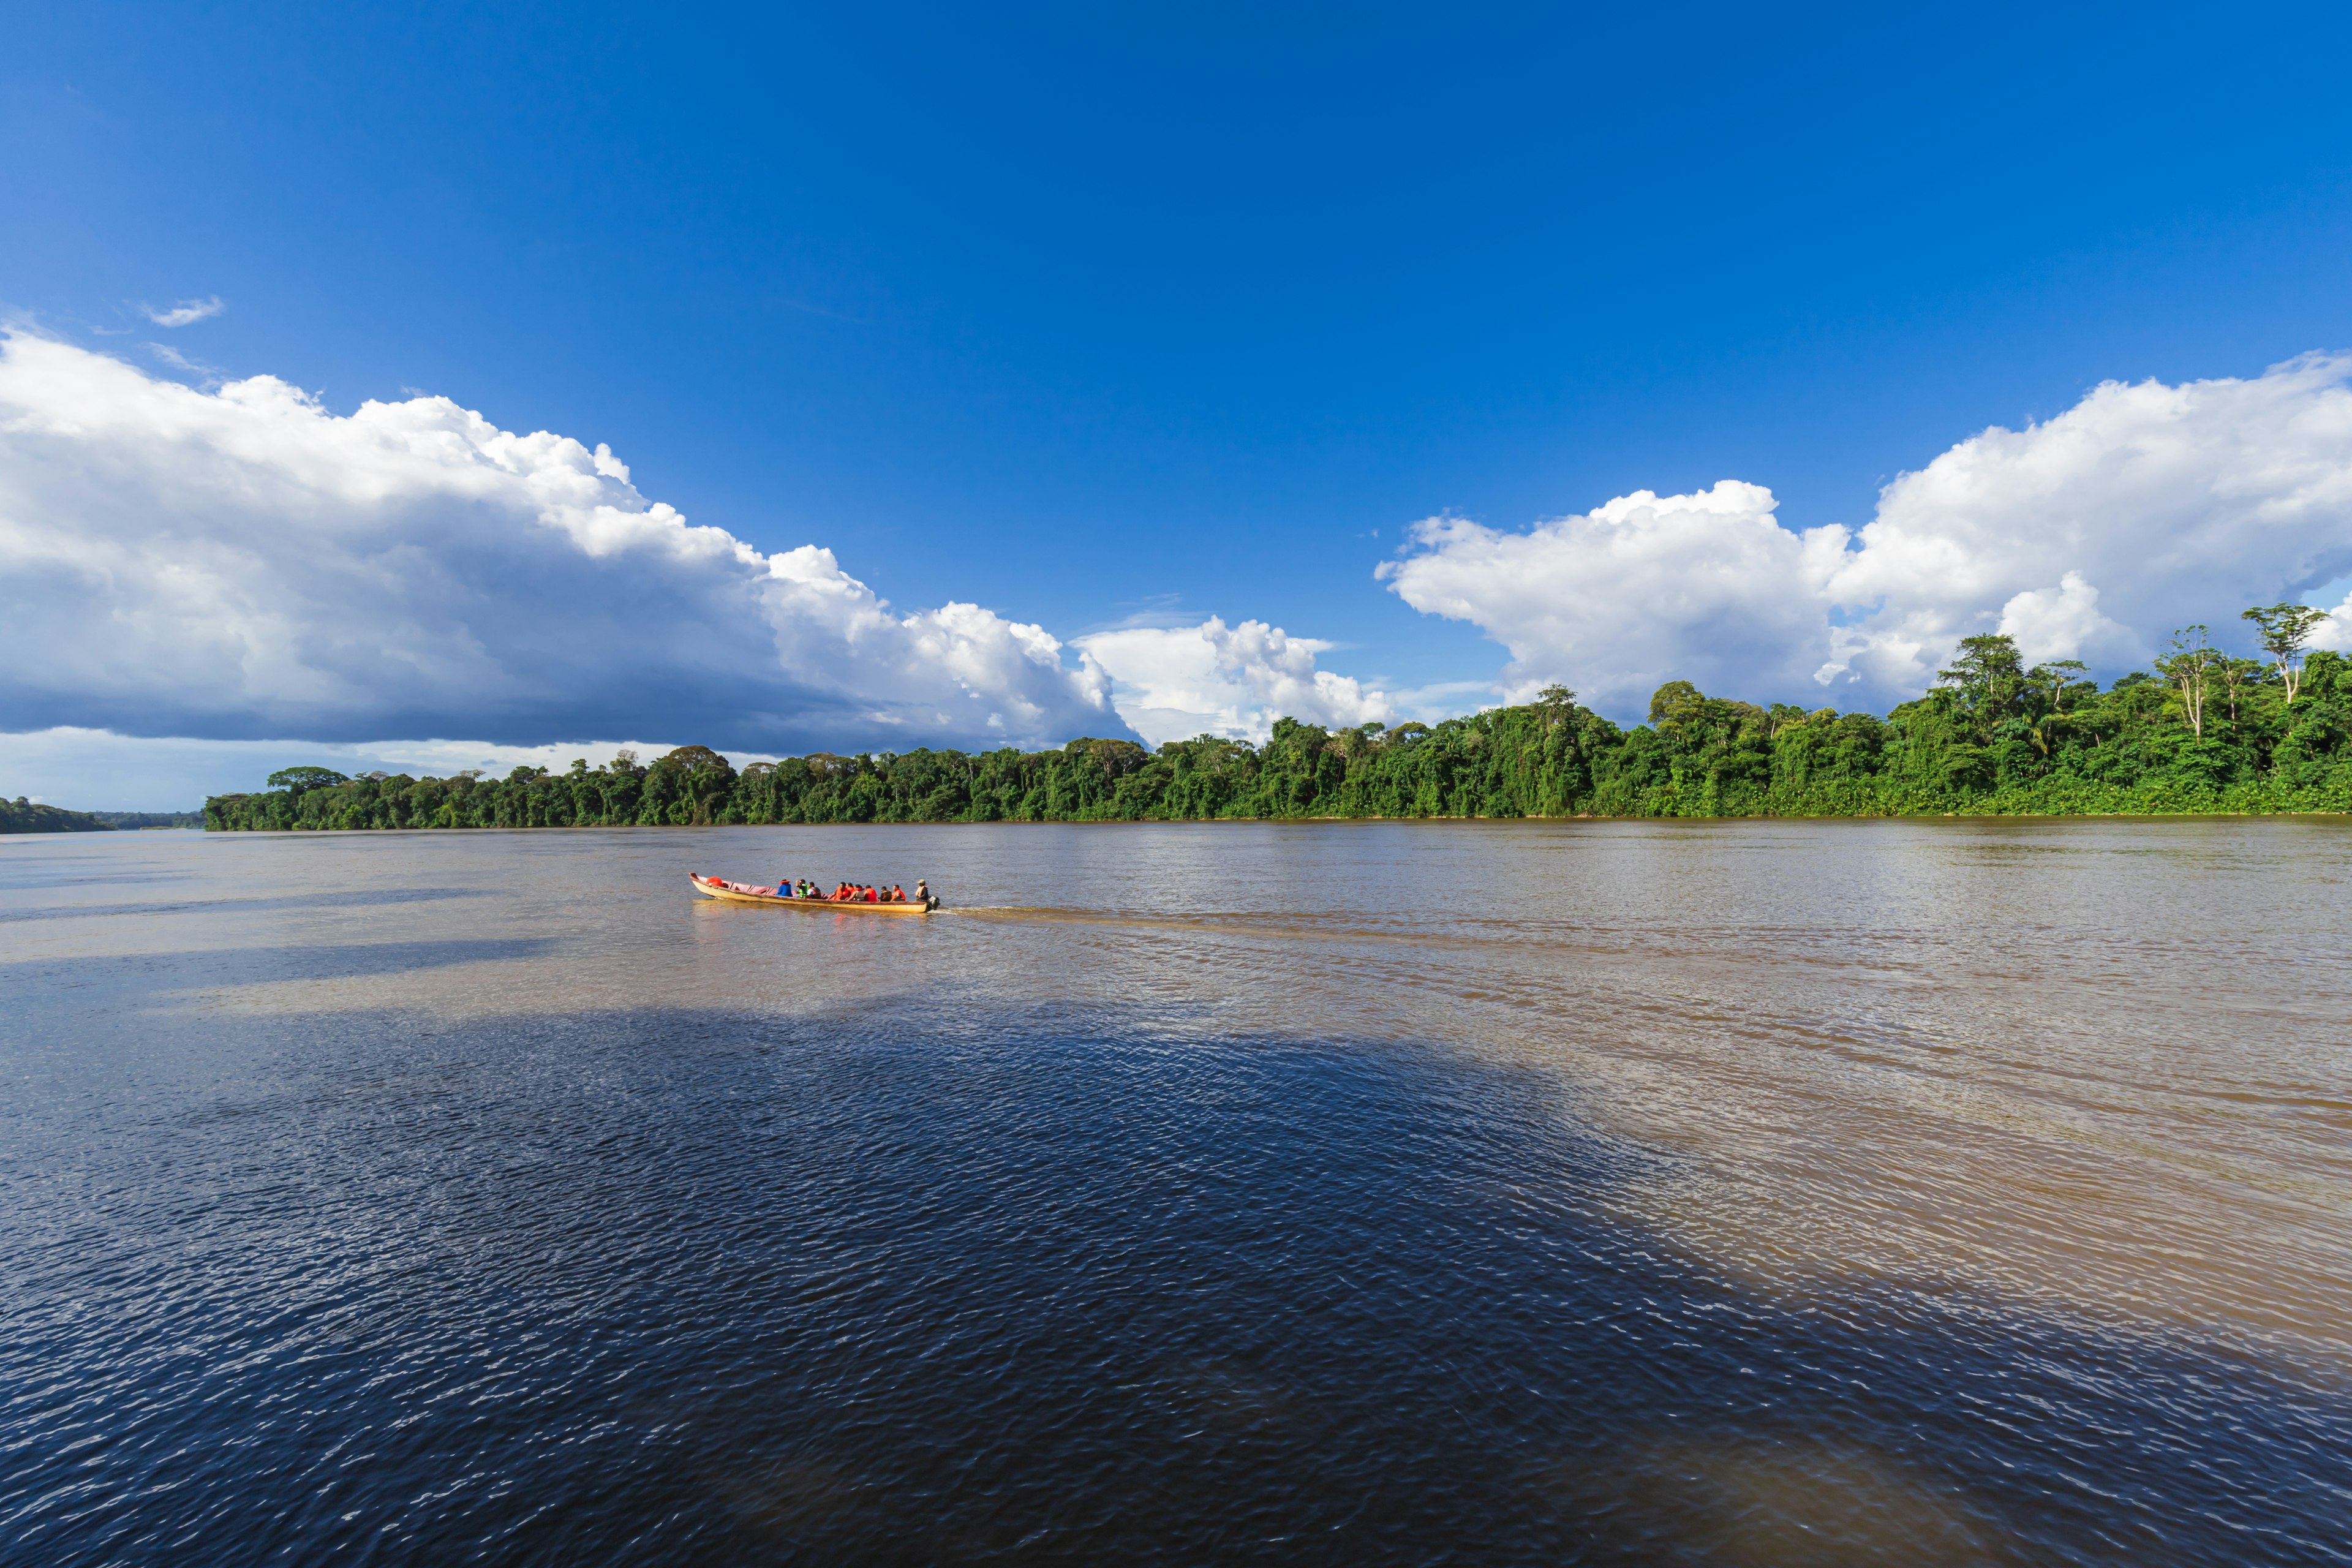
<point x="1095" y="319"/>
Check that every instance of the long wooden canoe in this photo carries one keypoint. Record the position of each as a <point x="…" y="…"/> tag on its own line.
<point x="713" y="887"/>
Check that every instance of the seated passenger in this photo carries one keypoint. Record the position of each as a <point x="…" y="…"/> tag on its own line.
<point x="898" y="894"/>
<point x="872" y="897"/>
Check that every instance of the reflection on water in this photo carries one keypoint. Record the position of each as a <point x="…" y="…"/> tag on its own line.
<point x="1740" y="1193"/>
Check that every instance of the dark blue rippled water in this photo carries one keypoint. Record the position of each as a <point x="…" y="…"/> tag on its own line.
<point x="948" y="1265"/>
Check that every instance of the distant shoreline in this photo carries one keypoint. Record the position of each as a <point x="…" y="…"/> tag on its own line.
<point x="24" y="818"/>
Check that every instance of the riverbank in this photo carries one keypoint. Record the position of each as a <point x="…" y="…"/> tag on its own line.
<point x="22" y="815"/>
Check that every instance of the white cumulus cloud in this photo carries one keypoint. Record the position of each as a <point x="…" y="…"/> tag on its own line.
<point x="1644" y="589"/>
<point x="242" y="563"/>
<point x="1176" y="682"/>
<point x="2090" y="535"/>
<point x="187" y="312"/>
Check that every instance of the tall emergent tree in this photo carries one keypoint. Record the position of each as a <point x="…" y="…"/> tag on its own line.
<point x="2052" y="678"/>
<point x="2047" y="684"/>
<point x="2286" y="628"/>
<point x="297" y="780"/>
<point x="2192" y="666"/>
<point x="2238" y="676"/>
<point x="1989" y="674"/>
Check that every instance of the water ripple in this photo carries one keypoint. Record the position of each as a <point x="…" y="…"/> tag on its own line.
<point x="598" y="1225"/>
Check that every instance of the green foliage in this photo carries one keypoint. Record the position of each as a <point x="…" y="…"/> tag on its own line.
<point x="1987" y="681"/>
<point x="300" y="779"/>
<point x="2284" y="631"/>
<point x="2194" y="666"/>
<point x="1993" y="737"/>
<point x="21" y="815"/>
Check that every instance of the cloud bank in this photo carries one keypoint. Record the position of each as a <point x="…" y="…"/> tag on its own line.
<point x="242" y="564"/>
<point x="237" y="565"/>
<point x="2091" y="536"/>
<point x="1175" y="682"/>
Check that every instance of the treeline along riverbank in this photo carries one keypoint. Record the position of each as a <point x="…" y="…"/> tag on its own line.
<point x="2205" y="733"/>
<point x="22" y="815"/>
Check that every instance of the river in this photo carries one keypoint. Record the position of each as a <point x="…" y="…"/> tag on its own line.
<point x="1725" y="1192"/>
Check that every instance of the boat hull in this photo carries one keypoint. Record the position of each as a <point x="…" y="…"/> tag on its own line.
<point x="712" y="889"/>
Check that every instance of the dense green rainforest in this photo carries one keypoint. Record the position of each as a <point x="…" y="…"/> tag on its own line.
<point x="22" y="815"/>
<point x="2205" y="734"/>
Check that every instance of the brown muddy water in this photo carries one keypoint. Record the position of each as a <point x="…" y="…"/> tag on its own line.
<point x="1743" y="1193"/>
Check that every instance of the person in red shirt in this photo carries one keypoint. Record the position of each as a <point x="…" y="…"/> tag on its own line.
<point x="898" y="894"/>
<point x="873" y="897"/>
